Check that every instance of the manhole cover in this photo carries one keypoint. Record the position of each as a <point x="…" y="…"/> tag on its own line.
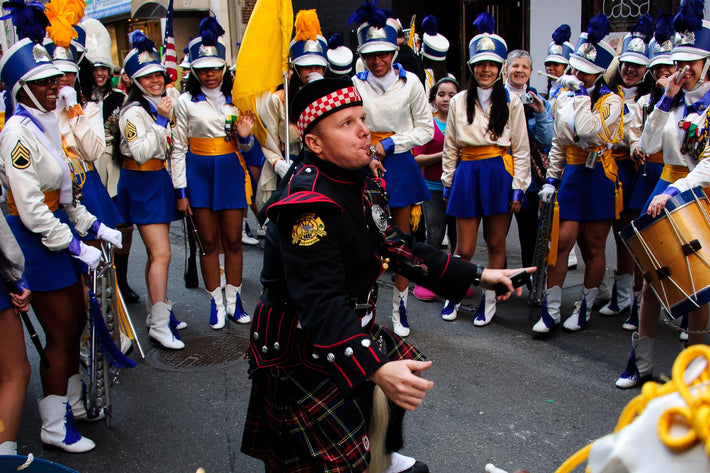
<point x="200" y="354"/>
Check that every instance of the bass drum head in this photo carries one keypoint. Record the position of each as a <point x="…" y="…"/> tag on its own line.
<point x="12" y="462"/>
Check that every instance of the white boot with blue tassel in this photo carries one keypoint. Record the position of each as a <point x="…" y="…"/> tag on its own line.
<point x="218" y="316"/>
<point x="59" y="426"/>
<point x="235" y="309"/>
<point x="400" y="324"/>
<point x="582" y="310"/>
<point x="486" y="309"/>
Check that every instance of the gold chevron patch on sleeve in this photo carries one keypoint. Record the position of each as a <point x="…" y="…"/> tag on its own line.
<point x="131" y="132"/>
<point x="20" y="156"/>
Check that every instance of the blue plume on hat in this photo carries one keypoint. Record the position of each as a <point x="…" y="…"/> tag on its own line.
<point x="388" y="13"/>
<point x="336" y="41"/>
<point x="690" y="16"/>
<point x="561" y="35"/>
<point x="430" y="25"/>
<point x="485" y="23"/>
<point x="210" y="30"/>
<point x="664" y="27"/>
<point x="141" y="42"/>
<point x="186" y="49"/>
<point x="28" y="19"/>
<point x="369" y="13"/>
<point x="597" y="28"/>
<point x="644" y="27"/>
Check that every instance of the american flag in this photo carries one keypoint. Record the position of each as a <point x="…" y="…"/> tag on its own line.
<point x="169" y="54"/>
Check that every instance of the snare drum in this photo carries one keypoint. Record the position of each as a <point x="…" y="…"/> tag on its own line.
<point x="673" y="251"/>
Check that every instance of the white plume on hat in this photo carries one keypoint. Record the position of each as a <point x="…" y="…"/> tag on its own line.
<point x="98" y="43"/>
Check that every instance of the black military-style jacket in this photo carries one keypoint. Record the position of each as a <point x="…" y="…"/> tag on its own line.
<point x="323" y="254"/>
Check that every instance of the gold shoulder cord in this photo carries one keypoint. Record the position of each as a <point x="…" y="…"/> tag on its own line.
<point x="77" y="170"/>
<point x="618" y="134"/>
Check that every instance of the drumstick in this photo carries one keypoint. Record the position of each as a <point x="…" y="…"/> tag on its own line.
<point x="547" y="75"/>
<point x="681" y="74"/>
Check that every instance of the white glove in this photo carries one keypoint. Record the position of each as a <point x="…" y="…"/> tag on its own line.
<point x="68" y="94"/>
<point x="109" y="235"/>
<point x="570" y="82"/>
<point x="88" y="255"/>
<point x="281" y="167"/>
<point x="546" y="193"/>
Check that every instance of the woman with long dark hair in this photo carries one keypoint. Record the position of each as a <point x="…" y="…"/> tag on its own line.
<point x="481" y="179"/>
<point x="145" y="191"/>
<point x="208" y="168"/>
<point x="587" y="120"/>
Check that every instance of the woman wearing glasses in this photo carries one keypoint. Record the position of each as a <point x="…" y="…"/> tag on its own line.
<point x="210" y="173"/>
<point x="399" y="118"/>
<point x="145" y="191"/>
<point x="46" y="219"/>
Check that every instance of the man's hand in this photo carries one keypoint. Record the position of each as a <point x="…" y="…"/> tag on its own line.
<point x="401" y="384"/>
<point x="491" y="277"/>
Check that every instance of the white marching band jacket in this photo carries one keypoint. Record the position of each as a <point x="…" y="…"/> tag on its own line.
<point x="32" y="165"/>
<point x="198" y="119"/>
<point x="80" y="135"/>
<point x="384" y="111"/>
<point x="460" y="134"/>
<point x="576" y="124"/>
<point x="142" y="138"/>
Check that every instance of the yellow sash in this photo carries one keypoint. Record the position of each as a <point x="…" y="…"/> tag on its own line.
<point x="672" y="172"/>
<point x="620" y="154"/>
<point x="152" y="164"/>
<point x="217" y="146"/>
<point x="51" y="200"/>
<point x="476" y="153"/>
<point x="655" y="158"/>
<point x="377" y="136"/>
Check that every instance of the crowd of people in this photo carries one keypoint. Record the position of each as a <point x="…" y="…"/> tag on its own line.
<point x="83" y="162"/>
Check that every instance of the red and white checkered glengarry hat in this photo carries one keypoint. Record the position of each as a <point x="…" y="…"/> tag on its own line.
<point x="319" y="99"/>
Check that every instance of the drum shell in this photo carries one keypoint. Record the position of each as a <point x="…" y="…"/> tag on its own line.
<point x="11" y="462"/>
<point x="689" y="212"/>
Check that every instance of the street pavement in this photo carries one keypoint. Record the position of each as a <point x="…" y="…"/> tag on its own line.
<point x="499" y="396"/>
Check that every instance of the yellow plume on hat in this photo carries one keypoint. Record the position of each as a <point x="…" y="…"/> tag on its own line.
<point x="307" y="25"/>
<point x="63" y="15"/>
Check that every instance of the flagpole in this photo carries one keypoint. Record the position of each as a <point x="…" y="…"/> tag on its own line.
<point x="287" y="138"/>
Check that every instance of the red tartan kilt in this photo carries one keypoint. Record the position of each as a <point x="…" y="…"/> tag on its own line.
<point x="298" y="421"/>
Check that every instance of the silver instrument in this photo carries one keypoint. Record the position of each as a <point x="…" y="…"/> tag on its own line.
<point x="542" y="248"/>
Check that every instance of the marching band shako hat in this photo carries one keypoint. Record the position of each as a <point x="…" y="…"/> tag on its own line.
<point x="340" y="57"/>
<point x="143" y="58"/>
<point x="98" y="43"/>
<point x="434" y="45"/>
<point x="318" y="99"/>
<point x="659" y="48"/>
<point x="592" y="55"/>
<point x="207" y="50"/>
<point x="63" y="58"/>
<point x="308" y="47"/>
<point x="376" y="32"/>
<point x="634" y="46"/>
<point x="79" y="42"/>
<point x="27" y="59"/>
<point x="486" y="46"/>
<point x="185" y="64"/>
<point x="692" y="38"/>
<point x="560" y="48"/>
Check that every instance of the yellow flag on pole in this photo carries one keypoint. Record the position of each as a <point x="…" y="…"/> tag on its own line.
<point x="263" y="56"/>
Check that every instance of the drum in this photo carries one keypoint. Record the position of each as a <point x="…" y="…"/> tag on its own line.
<point x="34" y="465"/>
<point x="673" y="251"/>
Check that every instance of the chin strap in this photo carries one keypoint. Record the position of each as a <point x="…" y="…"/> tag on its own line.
<point x="33" y="98"/>
<point x="145" y="92"/>
<point x="704" y="73"/>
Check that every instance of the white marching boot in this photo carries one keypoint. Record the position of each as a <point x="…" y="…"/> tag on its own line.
<point x="235" y="309"/>
<point x="550" y="313"/>
<point x="8" y="448"/>
<point x="622" y="295"/>
<point x="450" y="311"/>
<point x="161" y="330"/>
<point x="178" y="323"/>
<point x="399" y="312"/>
<point x="640" y="365"/>
<point x="486" y="309"/>
<point x="59" y="427"/>
<point x="218" y="316"/>
<point x="76" y="399"/>
<point x="582" y="310"/>
<point x="632" y="321"/>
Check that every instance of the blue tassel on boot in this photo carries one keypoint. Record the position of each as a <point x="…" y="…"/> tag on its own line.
<point x="72" y="432"/>
<point x="481" y="309"/>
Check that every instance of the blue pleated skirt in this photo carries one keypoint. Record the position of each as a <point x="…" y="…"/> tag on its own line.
<point x="215" y="182"/>
<point x="405" y="183"/>
<point x="626" y="170"/>
<point x="97" y="201"/>
<point x="46" y="270"/>
<point x="146" y="197"/>
<point x="480" y="188"/>
<point x="586" y="194"/>
<point x="644" y="185"/>
<point x="5" y="301"/>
